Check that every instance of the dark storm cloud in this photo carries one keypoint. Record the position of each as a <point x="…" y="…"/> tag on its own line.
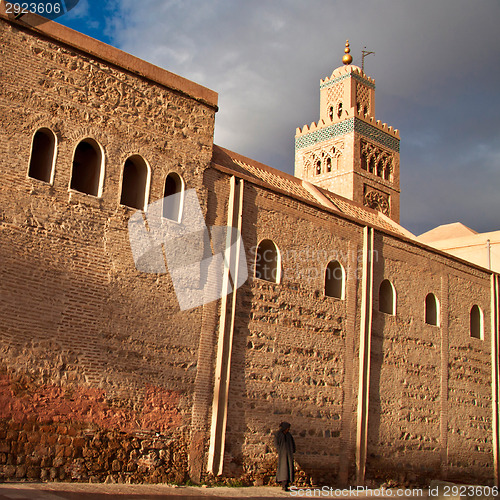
<point x="436" y="66"/>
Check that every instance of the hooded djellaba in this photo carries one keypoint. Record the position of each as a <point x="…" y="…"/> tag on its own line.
<point x="285" y="445"/>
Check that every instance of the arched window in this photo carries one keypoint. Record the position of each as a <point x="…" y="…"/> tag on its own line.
<point x="318" y="167"/>
<point x="42" y="160"/>
<point x="328" y="164"/>
<point x="364" y="161"/>
<point x="387" y="298"/>
<point x="135" y="183"/>
<point x="476" y="322"/>
<point x="387" y="171"/>
<point x="268" y="262"/>
<point x="371" y="165"/>
<point x="431" y="310"/>
<point x="173" y="197"/>
<point x="87" y="176"/>
<point x="334" y="280"/>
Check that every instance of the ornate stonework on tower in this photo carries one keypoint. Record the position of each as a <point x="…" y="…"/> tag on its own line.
<point x="348" y="152"/>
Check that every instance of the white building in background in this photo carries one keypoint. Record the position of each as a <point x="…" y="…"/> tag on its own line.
<point x="482" y="249"/>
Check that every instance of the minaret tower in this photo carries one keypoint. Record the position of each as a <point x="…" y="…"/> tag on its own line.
<point x="348" y="152"/>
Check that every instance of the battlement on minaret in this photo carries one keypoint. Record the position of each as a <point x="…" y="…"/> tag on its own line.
<point x="383" y="127"/>
<point x="343" y="72"/>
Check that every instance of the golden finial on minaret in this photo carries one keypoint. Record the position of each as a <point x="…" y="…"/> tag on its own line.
<point x="347" y="59"/>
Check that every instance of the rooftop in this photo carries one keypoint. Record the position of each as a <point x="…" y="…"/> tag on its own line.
<point x="265" y="176"/>
<point x="446" y="232"/>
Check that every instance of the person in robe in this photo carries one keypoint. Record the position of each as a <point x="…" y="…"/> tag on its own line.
<point x="285" y="445"/>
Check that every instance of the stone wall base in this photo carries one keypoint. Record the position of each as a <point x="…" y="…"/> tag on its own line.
<point x="69" y="452"/>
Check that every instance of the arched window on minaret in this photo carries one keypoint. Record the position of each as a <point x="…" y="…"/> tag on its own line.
<point x="330" y="113"/>
<point x="328" y="164"/>
<point x="339" y="110"/>
<point x="380" y="168"/>
<point x="364" y="161"/>
<point x="371" y="165"/>
<point x="387" y="171"/>
<point x="318" y="167"/>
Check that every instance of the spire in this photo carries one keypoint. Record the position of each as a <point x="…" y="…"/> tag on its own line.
<point x="347" y="59"/>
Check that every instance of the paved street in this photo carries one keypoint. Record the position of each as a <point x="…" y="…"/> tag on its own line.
<point x="80" y="491"/>
<point x="76" y="491"/>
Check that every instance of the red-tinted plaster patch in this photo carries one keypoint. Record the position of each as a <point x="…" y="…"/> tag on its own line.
<point x="159" y="411"/>
<point x="49" y="403"/>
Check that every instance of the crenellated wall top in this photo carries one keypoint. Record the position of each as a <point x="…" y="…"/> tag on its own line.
<point x="388" y="129"/>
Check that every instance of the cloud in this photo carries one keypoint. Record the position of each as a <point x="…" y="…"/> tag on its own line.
<point x="436" y="67"/>
<point x="81" y="10"/>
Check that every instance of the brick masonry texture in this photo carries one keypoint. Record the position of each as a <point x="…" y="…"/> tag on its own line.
<point x="76" y="314"/>
<point x="104" y="378"/>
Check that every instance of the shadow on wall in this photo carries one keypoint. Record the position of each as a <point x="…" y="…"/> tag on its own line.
<point x="60" y="332"/>
<point x="393" y="412"/>
<point x="379" y="320"/>
<point x="257" y="402"/>
<point x="236" y="453"/>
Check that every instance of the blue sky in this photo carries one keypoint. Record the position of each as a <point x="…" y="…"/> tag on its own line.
<point x="436" y="65"/>
<point x="94" y="18"/>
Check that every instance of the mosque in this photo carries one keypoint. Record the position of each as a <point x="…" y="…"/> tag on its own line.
<point x="167" y="302"/>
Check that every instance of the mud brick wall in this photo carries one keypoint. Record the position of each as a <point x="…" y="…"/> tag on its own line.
<point x="293" y="347"/>
<point x="469" y="385"/>
<point x="430" y="393"/>
<point x="103" y="378"/>
<point x="56" y="433"/>
<point x="296" y="354"/>
<point x="77" y="317"/>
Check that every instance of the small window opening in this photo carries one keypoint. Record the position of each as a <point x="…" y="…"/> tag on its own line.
<point x="365" y="110"/>
<point x="268" y="262"/>
<point x="476" y="323"/>
<point x="387" y="172"/>
<point x="380" y="169"/>
<point x="134" y="184"/>
<point x="387" y="298"/>
<point x="339" y="110"/>
<point x="330" y="113"/>
<point x="42" y="155"/>
<point x="358" y="107"/>
<point x="87" y="164"/>
<point x="318" y="167"/>
<point x="328" y="164"/>
<point x="431" y="310"/>
<point x="172" y="205"/>
<point x="371" y="165"/>
<point x="364" y="161"/>
<point x="334" y="280"/>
